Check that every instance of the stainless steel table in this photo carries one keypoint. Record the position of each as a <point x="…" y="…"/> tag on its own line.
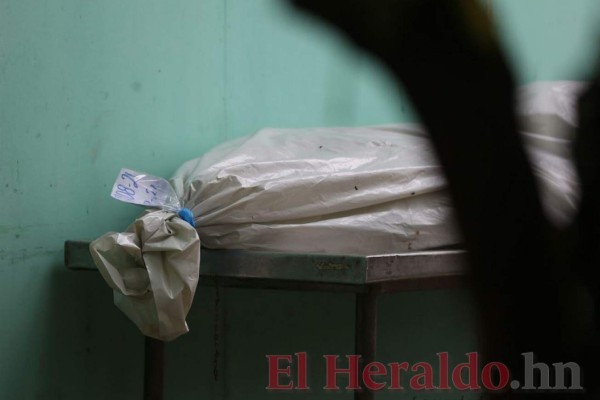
<point x="367" y="276"/>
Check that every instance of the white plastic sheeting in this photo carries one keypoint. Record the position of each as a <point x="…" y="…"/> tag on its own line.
<point x="367" y="190"/>
<point x="547" y="112"/>
<point x="152" y="268"/>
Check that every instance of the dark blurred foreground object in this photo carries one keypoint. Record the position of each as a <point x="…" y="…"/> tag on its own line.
<point x="534" y="283"/>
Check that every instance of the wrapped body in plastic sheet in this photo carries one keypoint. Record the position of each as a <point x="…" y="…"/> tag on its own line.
<point x="366" y="190"/>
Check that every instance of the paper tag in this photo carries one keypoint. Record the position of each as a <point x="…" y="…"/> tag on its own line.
<point x="146" y="190"/>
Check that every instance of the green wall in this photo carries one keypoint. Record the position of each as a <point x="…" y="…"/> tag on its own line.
<point x="87" y="87"/>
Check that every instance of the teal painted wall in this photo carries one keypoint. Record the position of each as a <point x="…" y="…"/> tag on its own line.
<point x="87" y="87"/>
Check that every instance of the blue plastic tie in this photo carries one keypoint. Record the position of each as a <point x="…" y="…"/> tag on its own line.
<point x="187" y="215"/>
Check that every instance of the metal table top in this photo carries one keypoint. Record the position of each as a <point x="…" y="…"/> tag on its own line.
<point x="335" y="272"/>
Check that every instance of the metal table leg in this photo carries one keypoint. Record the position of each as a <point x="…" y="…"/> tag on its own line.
<point x="365" y="335"/>
<point x="154" y="367"/>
